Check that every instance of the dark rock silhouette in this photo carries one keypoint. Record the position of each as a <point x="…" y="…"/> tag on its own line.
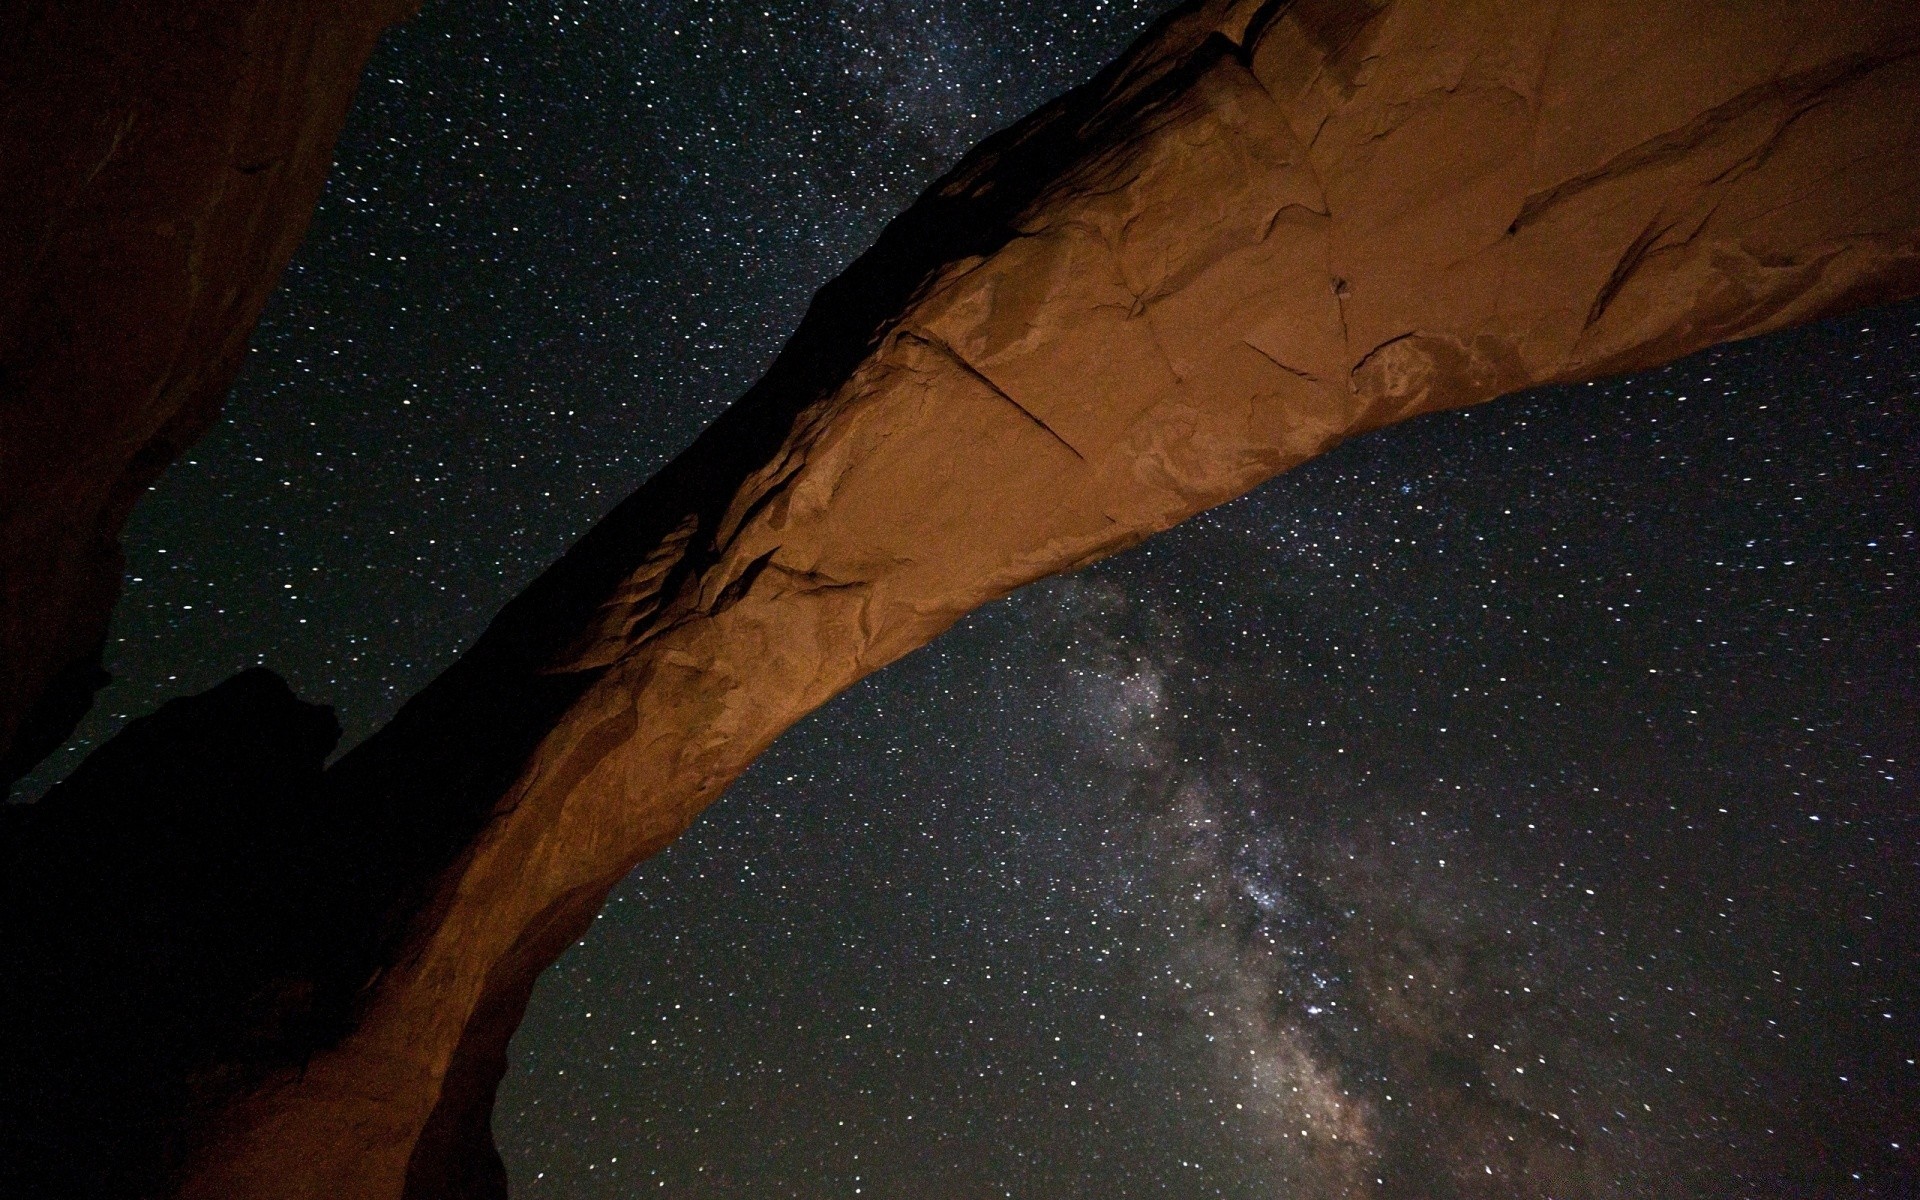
<point x="150" y="906"/>
<point x="158" y="165"/>
<point x="1268" y="228"/>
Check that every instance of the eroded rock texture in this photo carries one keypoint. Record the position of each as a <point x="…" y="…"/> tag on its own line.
<point x="158" y="164"/>
<point x="1269" y="228"/>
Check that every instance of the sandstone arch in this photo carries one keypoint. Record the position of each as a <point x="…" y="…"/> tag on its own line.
<point x="1268" y="228"/>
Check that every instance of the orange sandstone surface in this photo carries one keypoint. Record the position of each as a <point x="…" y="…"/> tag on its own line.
<point x="1268" y="228"/>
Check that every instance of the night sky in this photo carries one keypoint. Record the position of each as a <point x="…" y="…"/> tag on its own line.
<point x="1519" y="802"/>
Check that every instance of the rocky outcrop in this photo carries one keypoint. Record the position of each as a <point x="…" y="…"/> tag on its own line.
<point x="1269" y="228"/>
<point x="144" y="905"/>
<point x="158" y="165"/>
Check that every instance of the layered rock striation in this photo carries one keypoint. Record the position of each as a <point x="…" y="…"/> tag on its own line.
<point x="1270" y="227"/>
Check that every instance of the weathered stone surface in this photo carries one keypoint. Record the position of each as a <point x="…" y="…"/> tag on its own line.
<point x="158" y="165"/>
<point x="1269" y="228"/>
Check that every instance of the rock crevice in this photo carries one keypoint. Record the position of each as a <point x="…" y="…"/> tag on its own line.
<point x="1102" y="322"/>
<point x="1268" y="228"/>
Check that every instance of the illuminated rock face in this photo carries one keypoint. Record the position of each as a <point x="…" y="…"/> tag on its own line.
<point x="1256" y="236"/>
<point x="1269" y="228"/>
<point x="158" y="164"/>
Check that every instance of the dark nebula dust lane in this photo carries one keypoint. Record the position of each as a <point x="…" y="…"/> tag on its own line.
<point x="1516" y="803"/>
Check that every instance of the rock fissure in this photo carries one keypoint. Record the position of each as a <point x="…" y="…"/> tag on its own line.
<point x="859" y="499"/>
<point x="1799" y="93"/>
<point x="974" y="373"/>
<point x="1623" y="270"/>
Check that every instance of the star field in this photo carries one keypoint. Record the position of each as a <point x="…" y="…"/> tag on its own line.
<point x="1516" y="803"/>
<point x="558" y="239"/>
<point x="1520" y="802"/>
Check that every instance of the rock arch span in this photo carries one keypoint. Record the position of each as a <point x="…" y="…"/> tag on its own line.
<point x="1268" y="228"/>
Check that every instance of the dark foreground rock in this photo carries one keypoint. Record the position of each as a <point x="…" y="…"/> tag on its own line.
<point x="1268" y="228"/>
<point x="159" y="162"/>
<point x="150" y="906"/>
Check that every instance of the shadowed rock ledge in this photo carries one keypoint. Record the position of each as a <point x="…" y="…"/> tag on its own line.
<point x="1268" y="228"/>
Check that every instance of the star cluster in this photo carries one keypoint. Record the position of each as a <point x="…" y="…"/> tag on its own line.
<point x="558" y="239"/>
<point x="1519" y="802"/>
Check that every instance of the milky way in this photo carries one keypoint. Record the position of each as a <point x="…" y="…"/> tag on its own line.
<point x="1514" y="803"/>
<point x="1517" y="803"/>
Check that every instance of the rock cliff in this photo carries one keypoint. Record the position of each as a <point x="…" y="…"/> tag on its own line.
<point x="1268" y="228"/>
<point x="158" y="164"/>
